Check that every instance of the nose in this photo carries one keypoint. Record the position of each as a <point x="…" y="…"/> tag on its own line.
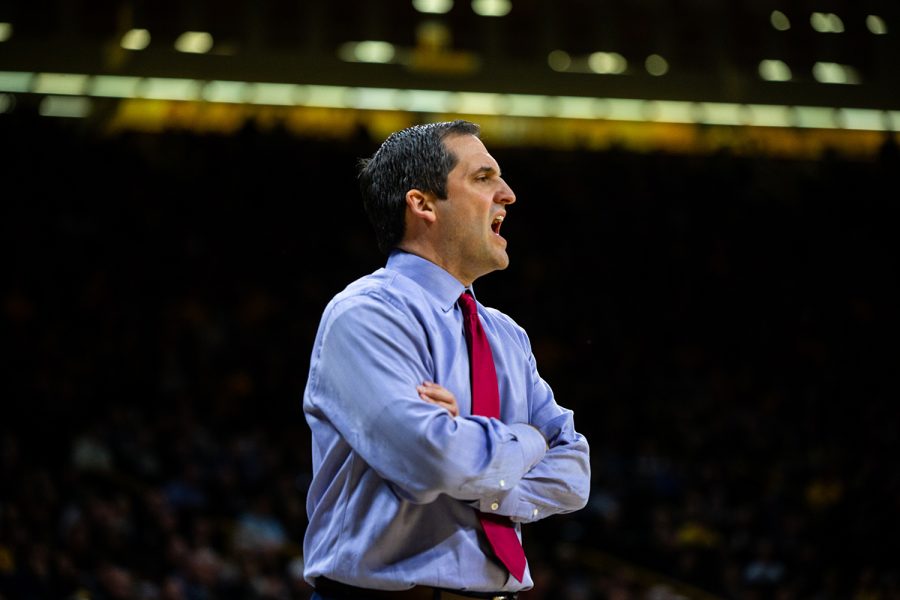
<point x="505" y="195"/>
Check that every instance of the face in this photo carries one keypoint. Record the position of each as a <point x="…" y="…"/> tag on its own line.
<point x="471" y="217"/>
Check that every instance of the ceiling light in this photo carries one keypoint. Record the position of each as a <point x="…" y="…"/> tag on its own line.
<point x="491" y="8"/>
<point x="876" y="25"/>
<point x="136" y="39"/>
<point x="656" y="65"/>
<point x="774" y="70"/>
<point x="829" y="72"/>
<point x="607" y="63"/>
<point x="194" y="42"/>
<point x="559" y="60"/>
<point x="437" y="7"/>
<point x="779" y="20"/>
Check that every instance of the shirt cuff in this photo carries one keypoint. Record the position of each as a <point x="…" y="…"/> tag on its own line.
<point x="507" y="500"/>
<point x="512" y="505"/>
<point x="532" y="443"/>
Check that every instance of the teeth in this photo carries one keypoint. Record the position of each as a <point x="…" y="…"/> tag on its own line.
<point x="498" y="219"/>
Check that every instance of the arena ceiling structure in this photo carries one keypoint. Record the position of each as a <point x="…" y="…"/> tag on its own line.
<point x="789" y="77"/>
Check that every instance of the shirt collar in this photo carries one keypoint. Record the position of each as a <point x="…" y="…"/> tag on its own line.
<point x="440" y="284"/>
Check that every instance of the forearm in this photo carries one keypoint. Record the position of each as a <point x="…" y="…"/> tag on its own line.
<point x="560" y="483"/>
<point x="465" y="458"/>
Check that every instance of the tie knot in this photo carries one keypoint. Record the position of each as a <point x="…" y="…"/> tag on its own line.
<point x="467" y="304"/>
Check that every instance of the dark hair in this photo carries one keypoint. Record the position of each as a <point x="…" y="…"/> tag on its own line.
<point x="412" y="158"/>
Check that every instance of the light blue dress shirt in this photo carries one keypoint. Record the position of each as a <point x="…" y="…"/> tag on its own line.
<point x="396" y="479"/>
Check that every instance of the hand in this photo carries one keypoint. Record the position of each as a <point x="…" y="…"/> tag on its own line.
<point x="438" y="394"/>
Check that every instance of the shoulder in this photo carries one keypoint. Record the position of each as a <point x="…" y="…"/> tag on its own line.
<point x="382" y="295"/>
<point x="384" y="286"/>
<point x="506" y="325"/>
<point x="499" y="316"/>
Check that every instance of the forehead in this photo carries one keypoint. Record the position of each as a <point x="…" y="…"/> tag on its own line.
<point x="470" y="152"/>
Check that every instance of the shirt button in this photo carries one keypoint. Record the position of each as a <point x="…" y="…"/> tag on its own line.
<point x="535" y="512"/>
<point x="494" y="505"/>
<point x="502" y="483"/>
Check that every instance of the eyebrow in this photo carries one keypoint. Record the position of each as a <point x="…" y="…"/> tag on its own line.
<point x="485" y="169"/>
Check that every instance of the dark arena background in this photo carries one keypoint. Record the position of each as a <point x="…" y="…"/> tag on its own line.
<point x="704" y="252"/>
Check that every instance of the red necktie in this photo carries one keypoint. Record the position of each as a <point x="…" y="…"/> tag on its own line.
<point x="500" y="531"/>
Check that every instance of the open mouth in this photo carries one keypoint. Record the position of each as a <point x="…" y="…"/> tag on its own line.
<point x="495" y="225"/>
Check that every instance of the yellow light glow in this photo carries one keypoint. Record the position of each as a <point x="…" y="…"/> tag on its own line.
<point x="136" y="39"/>
<point x="427" y="101"/>
<point x="277" y="94"/>
<point x="835" y="22"/>
<point x="369" y="51"/>
<point x="656" y="65"/>
<point x="64" y="106"/>
<point x="774" y="70"/>
<point x="829" y="72"/>
<point x="114" y="86"/>
<point x="194" y="42"/>
<point x="60" y="83"/>
<point x="607" y="63"/>
<point x="376" y="99"/>
<point x="826" y="22"/>
<point x="326" y="96"/>
<point x="574" y="107"/>
<point x="818" y="117"/>
<point x="670" y="111"/>
<point x="15" y="81"/>
<point x="527" y="105"/>
<point x="437" y="7"/>
<point x="6" y="31"/>
<point x="477" y="103"/>
<point x="721" y="113"/>
<point x="394" y="100"/>
<point x="559" y="60"/>
<point x="163" y="88"/>
<point x="767" y="115"/>
<point x="893" y="120"/>
<point x="621" y="109"/>
<point x="234" y="92"/>
<point x="876" y="25"/>
<point x="779" y="20"/>
<point x="491" y="8"/>
<point x="863" y="119"/>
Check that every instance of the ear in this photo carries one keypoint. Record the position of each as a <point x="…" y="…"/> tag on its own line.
<point x="421" y="205"/>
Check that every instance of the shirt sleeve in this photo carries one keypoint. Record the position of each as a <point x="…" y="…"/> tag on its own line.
<point x="371" y="357"/>
<point x="560" y="482"/>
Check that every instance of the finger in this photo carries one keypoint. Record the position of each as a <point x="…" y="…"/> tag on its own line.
<point x="447" y="403"/>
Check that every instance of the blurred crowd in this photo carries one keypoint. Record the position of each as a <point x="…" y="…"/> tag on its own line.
<point x="724" y="327"/>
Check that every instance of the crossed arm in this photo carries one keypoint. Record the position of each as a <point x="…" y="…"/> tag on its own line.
<point x="441" y="396"/>
<point x="472" y="458"/>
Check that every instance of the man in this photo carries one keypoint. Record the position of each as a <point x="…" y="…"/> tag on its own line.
<point x="412" y="480"/>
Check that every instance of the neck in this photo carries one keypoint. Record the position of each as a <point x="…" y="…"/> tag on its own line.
<point x="432" y="255"/>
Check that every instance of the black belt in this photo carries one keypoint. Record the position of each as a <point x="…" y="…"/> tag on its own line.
<point x="335" y="590"/>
